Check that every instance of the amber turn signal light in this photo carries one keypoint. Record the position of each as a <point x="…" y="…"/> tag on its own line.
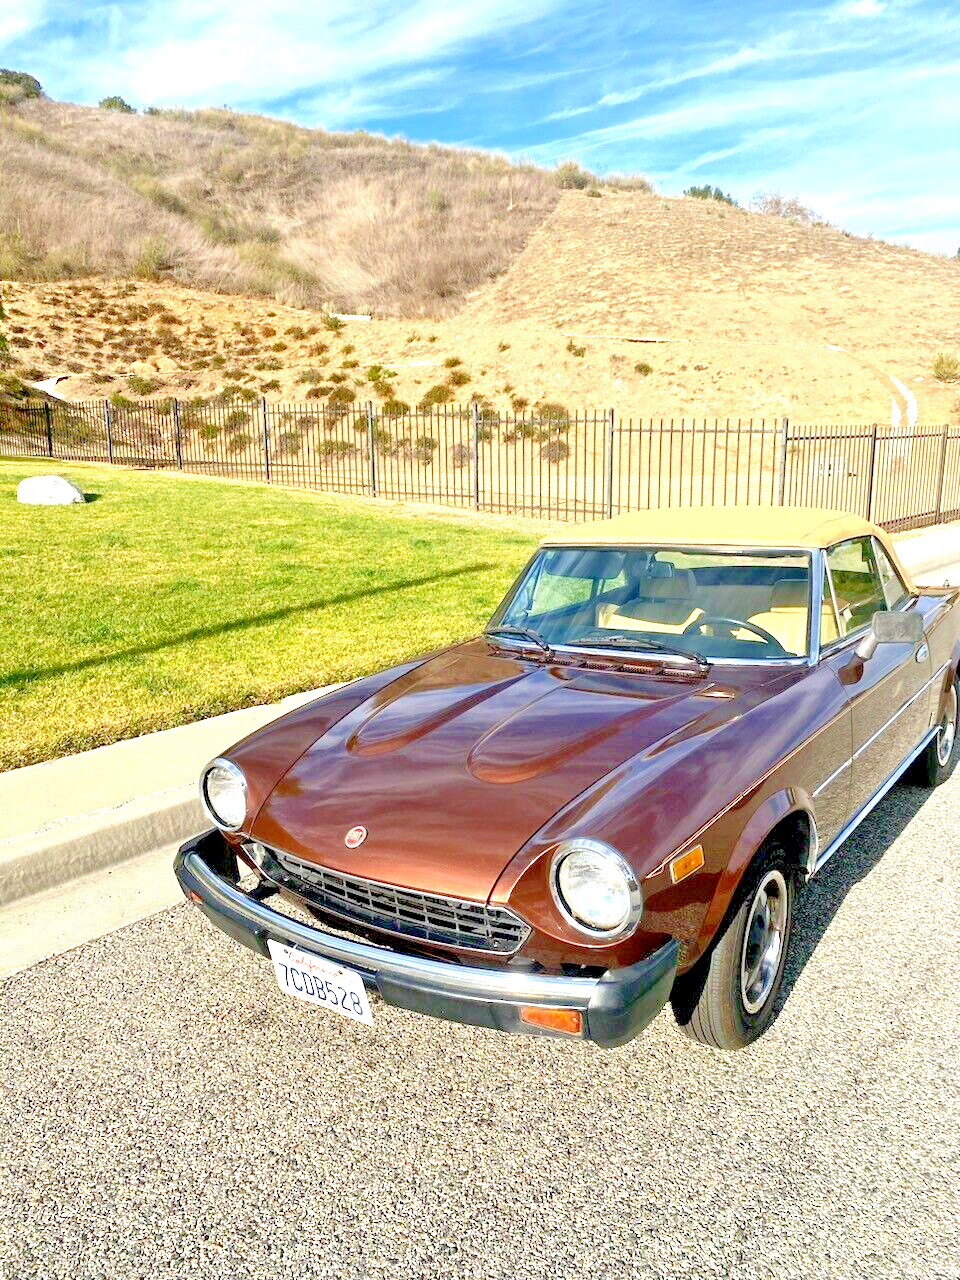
<point x="569" y="1021"/>
<point x="686" y="864"/>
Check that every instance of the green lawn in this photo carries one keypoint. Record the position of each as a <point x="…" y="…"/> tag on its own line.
<point x="169" y="598"/>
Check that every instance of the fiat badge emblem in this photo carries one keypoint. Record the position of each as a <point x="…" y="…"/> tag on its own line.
<point x="355" y="837"/>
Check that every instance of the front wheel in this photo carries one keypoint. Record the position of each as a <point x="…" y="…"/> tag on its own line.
<point x="940" y="758"/>
<point x="727" y="1000"/>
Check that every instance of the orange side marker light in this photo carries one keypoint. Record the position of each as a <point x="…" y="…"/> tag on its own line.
<point x="569" y="1021"/>
<point x="686" y="864"/>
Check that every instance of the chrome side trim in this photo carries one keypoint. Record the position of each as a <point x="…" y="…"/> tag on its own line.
<point x="899" y="712"/>
<point x="832" y="778"/>
<point x="886" y="725"/>
<point x="872" y="803"/>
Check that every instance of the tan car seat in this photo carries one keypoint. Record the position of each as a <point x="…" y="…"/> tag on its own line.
<point x="665" y="603"/>
<point x="787" y="616"/>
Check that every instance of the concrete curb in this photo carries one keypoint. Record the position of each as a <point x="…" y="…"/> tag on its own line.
<point x="90" y="844"/>
<point x="77" y="815"/>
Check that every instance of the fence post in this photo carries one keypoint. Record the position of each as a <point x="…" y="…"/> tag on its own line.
<point x="46" y="414"/>
<point x="608" y="466"/>
<point x="177" y="439"/>
<point x="784" y="431"/>
<point x="871" y="471"/>
<point x="265" y="429"/>
<point x="943" y="467"/>
<point x="108" y="423"/>
<point x="474" y="455"/>
<point x="371" y="451"/>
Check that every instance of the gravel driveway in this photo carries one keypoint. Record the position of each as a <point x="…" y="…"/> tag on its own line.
<point x="167" y="1112"/>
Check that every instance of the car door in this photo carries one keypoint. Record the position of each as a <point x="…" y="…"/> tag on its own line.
<point x="889" y="692"/>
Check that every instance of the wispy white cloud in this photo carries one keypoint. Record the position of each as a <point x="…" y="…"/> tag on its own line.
<point x="245" y="51"/>
<point x="18" y="18"/>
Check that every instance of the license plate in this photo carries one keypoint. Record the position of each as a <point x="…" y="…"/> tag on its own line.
<point x="321" y="982"/>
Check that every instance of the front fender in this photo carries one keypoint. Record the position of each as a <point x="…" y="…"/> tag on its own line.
<point x="769" y="813"/>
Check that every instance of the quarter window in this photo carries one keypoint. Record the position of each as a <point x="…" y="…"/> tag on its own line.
<point x="893" y="589"/>
<point x="857" y="584"/>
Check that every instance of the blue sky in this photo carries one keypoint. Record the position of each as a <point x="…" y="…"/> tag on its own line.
<point x="852" y="104"/>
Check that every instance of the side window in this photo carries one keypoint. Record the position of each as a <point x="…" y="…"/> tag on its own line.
<point x="893" y="589"/>
<point x="857" y="585"/>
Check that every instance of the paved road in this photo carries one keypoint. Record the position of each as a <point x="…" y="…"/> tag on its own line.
<point x="168" y="1113"/>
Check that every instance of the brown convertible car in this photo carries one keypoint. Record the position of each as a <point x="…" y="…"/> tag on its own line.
<point x="608" y="800"/>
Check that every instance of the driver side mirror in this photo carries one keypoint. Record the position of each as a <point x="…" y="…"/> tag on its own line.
<point x="890" y="626"/>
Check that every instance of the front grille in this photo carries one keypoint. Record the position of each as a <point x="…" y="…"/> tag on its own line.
<point x="452" y="921"/>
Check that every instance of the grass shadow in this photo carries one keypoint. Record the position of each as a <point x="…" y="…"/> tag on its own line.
<point x="15" y="678"/>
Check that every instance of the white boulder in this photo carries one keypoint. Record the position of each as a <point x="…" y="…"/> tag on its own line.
<point x="48" y="491"/>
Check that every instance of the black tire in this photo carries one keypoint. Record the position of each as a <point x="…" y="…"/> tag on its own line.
<point x="940" y="758"/>
<point x="714" y="1003"/>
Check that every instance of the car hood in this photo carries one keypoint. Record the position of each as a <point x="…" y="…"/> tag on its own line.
<point x="454" y="765"/>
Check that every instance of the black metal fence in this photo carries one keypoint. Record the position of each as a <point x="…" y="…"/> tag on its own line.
<point x="558" y="466"/>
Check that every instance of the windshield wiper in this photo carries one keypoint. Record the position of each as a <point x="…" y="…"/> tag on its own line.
<point x="523" y="633"/>
<point x="639" y="642"/>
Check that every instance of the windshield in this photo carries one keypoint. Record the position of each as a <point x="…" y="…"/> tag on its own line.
<point x="709" y="604"/>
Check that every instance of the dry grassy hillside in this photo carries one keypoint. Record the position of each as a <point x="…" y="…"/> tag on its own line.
<point x="245" y="204"/>
<point x="204" y="246"/>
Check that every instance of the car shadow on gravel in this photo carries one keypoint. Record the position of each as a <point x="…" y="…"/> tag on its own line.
<point x="817" y="905"/>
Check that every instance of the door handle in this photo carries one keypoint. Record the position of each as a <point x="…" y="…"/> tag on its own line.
<point x="922" y="652"/>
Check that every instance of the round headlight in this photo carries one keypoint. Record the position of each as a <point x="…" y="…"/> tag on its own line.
<point x="596" y="888"/>
<point x="223" y="790"/>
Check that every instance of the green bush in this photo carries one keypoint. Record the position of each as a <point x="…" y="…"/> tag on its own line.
<point x="19" y="85"/>
<point x="555" y="451"/>
<point x="333" y="323"/>
<point x="311" y="377"/>
<point x="152" y="259"/>
<point x="706" y="192"/>
<point x="643" y="368"/>
<point x="946" y="367"/>
<point x="120" y="401"/>
<point x="237" y="443"/>
<point x="575" y="350"/>
<point x="342" y="395"/>
<point x="235" y="419"/>
<point x="424" y="448"/>
<point x="550" y="411"/>
<point x="458" y="378"/>
<point x="521" y="431"/>
<point x="440" y="393"/>
<point x="395" y="408"/>
<point x="289" y="442"/>
<point x="141" y="386"/>
<point x="571" y="176"/>
<point x="334" y="449"/>
<point x="115" y="103"/>
<point x="451" y="362"/>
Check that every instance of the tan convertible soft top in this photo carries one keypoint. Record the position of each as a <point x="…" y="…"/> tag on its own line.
<point x="808" y="527"/>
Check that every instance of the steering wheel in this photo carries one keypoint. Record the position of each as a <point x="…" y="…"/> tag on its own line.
<point x="732" y="625"/>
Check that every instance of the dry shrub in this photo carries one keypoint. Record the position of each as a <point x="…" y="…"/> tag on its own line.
<point x="790" y="207"/>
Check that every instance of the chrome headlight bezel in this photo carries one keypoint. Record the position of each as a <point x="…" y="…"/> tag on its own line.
<point x="581" y="844"/>
<point x="237" y="774"/>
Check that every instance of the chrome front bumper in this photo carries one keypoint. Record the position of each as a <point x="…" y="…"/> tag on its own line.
<point x="614" y="1007"/>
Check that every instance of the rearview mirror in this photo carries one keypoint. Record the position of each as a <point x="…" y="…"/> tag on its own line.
<point x="891" y="626"/>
